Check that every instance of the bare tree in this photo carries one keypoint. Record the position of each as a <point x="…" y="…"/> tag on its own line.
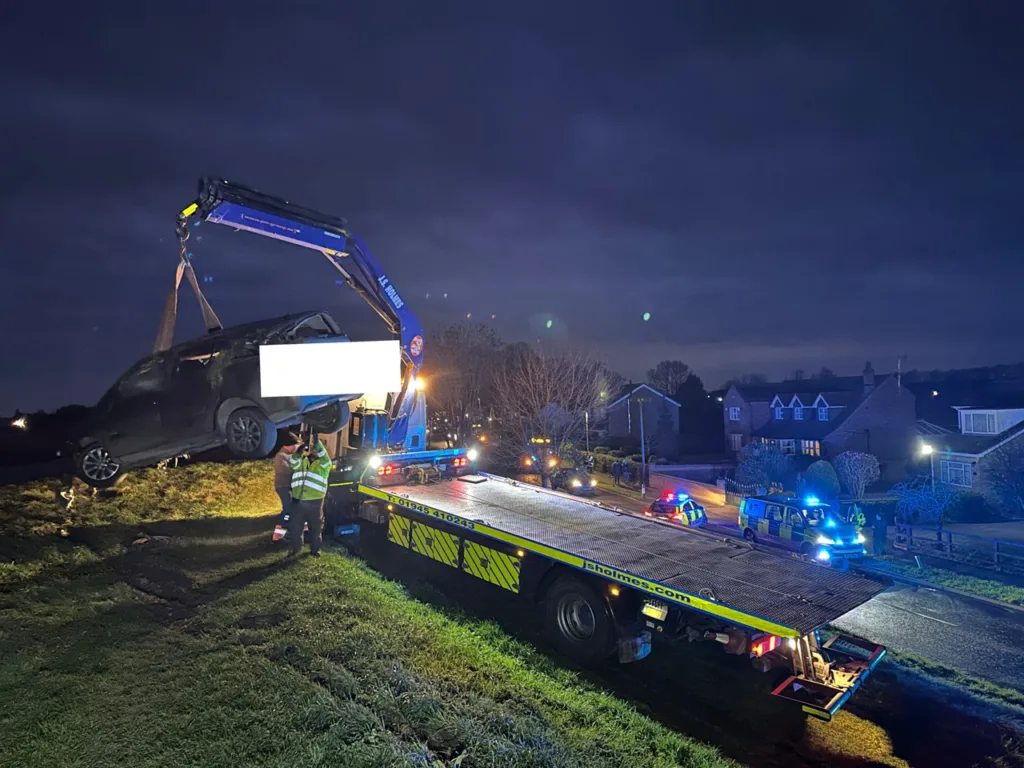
<point x="460" y="375"/>
<point x="920" y="501"/>
<point x="1004" y="477"/>
<point x="541" y="396"/>
<point x="825" y="373"/>
<point x="856" y="471"/>
<point x="668" y="376"/>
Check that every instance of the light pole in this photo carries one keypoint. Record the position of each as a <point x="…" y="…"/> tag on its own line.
<point x="586" y="421"/>
<point x="643" y="452"/>
<point x="928" y="450"/>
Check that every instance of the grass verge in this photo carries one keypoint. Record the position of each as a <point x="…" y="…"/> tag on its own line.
<point x="990" y="588"/>
<point x="206" y="648"/>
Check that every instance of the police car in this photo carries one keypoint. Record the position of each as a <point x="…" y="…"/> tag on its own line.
<point x="678" y="508"/>
<point x="805" y="525"/>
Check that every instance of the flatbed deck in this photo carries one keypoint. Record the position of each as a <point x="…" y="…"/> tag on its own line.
<point x="729" y="579"/>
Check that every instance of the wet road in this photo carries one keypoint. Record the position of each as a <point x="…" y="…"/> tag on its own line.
<point x="974" y="637"/>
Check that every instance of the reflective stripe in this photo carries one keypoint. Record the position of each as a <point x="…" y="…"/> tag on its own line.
<point x="309" y="478"/>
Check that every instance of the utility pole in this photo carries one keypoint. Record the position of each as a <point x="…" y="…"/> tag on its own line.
<point x="643" y="452"/>
<point x="586" y="421"/>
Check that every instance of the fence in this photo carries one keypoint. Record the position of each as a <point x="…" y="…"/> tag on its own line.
<point x="963" y="547"/>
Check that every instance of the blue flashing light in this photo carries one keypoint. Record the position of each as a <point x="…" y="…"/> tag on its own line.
<point x="813" y="501"/>
<point x="830" y="523"/>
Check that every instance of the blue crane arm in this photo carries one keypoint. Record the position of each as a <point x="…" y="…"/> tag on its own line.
<point x="238" y="207"/>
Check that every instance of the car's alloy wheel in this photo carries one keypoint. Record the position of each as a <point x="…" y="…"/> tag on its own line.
<point x="98" y="465"/>
<point x="246" y="433"/>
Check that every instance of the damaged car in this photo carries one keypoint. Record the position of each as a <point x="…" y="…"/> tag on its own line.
<point x="203" y="394"/>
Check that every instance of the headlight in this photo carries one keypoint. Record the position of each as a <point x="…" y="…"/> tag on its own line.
<point x="860" y="538"/>
<point x="824" y="540"/>
<point x="472" y="454"/>
<point x="576" y="484"/>
<point x="375" y="461"/>
<point x="593" y="483"/>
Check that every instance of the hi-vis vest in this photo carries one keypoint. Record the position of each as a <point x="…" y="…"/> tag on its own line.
<point x="309" y="475"/>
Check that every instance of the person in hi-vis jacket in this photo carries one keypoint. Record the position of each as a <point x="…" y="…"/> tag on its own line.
<point x="310" y="471"/>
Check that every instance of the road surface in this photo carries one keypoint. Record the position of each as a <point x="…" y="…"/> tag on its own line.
<point x="968" y="635"/>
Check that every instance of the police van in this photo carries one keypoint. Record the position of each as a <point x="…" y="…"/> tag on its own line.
<point x="805" y="525"/>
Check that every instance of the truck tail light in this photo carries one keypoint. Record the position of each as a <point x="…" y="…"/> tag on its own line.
<point x="765" y="645"/>
<point x="459" y="462"/>
<point x="387" y="469"/>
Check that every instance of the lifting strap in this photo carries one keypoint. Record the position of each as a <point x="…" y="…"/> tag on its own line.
<point x="165" y="333"/>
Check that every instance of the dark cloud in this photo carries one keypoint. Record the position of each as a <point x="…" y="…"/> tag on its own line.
<point x="780" y="186"/>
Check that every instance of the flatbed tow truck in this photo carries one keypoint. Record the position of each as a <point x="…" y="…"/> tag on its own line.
<point x="607" y="582"/>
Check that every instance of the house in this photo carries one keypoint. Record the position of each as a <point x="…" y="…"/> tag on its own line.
<point x="640" y="403"/>
<point x="985" y="423"/>
<point x="824" y="417"/>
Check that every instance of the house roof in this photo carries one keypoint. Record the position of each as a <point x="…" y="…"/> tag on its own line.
<point x="630" y="389"/>
<point x="837" y="390"/>
<point x="845" y="391"/>
<point x="974" y="445"/>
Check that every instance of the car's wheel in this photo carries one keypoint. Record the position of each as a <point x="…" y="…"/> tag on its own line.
<point x="578" y="622"/>
<point x="250" y="434"/>
<point x="328" y="419"/>
<point x="749" y="534"/>
<point x="806" y="549"/>
<point x="841" y="564"/>
<point x="95" y="466"/>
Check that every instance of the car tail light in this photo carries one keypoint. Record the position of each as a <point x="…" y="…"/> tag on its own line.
<point x="765" y="645"/>
<point x="459" y="462"/>
<point x="387" y="469"/>
<point x="648" y="513"/>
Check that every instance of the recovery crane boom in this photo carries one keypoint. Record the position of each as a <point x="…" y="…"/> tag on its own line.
<point x="239" y="207"/>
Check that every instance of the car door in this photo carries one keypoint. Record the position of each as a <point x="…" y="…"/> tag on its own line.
<point x="187" y="409"/>
<point x="773" y="516"/>
<point x="132" y="423"/>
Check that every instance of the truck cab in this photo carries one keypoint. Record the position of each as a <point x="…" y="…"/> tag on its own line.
<point x="805" y="525"/>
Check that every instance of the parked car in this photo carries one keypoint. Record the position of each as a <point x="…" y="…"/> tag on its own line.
<point x="678" y="508"/>
<point x="200" y="395"/>
<point x="575" y="481"/>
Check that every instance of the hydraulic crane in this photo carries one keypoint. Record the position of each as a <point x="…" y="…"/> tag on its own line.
<point x="242" y="208"/>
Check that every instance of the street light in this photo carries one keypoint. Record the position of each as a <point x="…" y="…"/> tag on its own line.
<point x="586" y="421"/>
<point x="20" y="423"/>
<point x="927" y="450"/>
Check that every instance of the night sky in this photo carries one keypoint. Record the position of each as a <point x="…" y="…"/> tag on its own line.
<point x="781" y="185"/>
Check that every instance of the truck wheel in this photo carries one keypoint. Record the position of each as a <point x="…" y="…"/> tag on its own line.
<point x="95" y="466"/>
<point x="328" y="419"/>
<point x="250" y="434"/>
<point x="749" y="534"/>
<point x="841" y="564"/>
<point x="578" y="622"/>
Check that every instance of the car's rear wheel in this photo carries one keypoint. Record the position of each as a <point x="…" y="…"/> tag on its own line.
<point x="328" y="419"/>
<point x="97" y="467"/>
<point x="250" y="434"/>
<point x="749" y="535"/>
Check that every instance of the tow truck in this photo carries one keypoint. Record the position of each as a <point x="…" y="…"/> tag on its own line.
<point x="607" y="583"/>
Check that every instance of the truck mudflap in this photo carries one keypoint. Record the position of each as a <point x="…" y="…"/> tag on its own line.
<point x="835" y="670"/>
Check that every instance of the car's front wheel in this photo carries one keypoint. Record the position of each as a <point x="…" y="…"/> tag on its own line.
<point x="97" y="467"/>
<point x="250" y="434"/>
<point x="328" y="419"/>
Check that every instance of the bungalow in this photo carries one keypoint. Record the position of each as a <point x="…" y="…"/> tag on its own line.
<point x="959" y="459"/>
<point x="825" y="417"/>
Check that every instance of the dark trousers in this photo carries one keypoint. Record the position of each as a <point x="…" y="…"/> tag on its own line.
<point x="311" y="512"/>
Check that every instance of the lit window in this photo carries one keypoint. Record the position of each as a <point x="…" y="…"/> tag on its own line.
<point x="798" y="414"/>
<point x="955" y="473"/>
<point x="810" y="448"/>
<point x="778" y="413"/>
<point x="823" y="414"/>
<point x="734" y="414"/>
